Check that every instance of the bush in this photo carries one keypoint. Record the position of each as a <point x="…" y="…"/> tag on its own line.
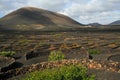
<point x="72" y="72"/>
<point x="93" y="51"/>
<point x="7" y="53"/>
<point x="56" y="55"/>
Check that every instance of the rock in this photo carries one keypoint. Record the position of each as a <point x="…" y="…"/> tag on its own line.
<point x="90" y="64"/>
<point x="6" y="62"/>
<point x="115" y="58"/>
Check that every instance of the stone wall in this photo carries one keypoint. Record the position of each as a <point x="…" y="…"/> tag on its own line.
<point x="105" y="65"/>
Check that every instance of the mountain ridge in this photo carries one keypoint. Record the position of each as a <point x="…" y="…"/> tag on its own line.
<point x="95" y="24"/>
<point x="117" y="22"/>
<point x="28" y="18"/>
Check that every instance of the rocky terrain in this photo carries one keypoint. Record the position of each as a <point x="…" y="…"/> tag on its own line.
<point x="32" y="50"/>
<point x="98" y="65"/>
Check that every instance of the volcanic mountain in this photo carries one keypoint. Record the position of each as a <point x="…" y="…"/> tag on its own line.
<point x="115" y="23"/>
<point x="30" y="18"/>
<point x="94" y="24"/>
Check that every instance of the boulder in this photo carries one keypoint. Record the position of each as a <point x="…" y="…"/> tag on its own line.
<point x="5" y="63"/>
<point x="115" y="58"/>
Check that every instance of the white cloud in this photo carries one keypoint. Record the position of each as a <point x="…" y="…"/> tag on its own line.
<point x="54" y="5"/>
<point x="103" y="11"/>
<point x="84" y="11"/>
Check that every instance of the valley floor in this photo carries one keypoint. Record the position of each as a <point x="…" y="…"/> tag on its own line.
<point x="34" y="47"/>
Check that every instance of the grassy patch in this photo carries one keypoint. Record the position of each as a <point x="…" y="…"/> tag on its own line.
<point x="72" y="72"/>
<point x="57" y="35"/>
<point x="23" y="42"/>
<point x="7" y="53"/>
<point x="94" y="51"/>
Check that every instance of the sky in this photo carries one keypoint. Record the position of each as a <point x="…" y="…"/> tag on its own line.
<point x="83" y="11"/>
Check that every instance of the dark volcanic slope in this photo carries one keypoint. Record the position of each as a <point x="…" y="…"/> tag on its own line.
<point x="28" y="18"/>
<point x="115" y="23"/>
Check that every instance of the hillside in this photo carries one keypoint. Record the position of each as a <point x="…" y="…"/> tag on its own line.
<point x="115" y="23"/>
<point x="30" y="18"/>
<point x="94" y="24"/>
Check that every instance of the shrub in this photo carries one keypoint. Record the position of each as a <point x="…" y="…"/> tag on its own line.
<point x="56" y="55"/>
<point x="71" y="72"/>
<point x="7" y="53"/>
<point x="93" y="51"/>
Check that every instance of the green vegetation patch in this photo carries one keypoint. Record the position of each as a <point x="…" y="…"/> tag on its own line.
<point x="24" y="42"/>
<point x="56" y="55"/>
<point x="94" y="51"/>
<point x="57" y="35"/>
<point x="7" y="53"/>
<point x="71" y="72"/>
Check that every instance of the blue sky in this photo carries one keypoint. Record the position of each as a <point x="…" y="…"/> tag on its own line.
<point x="83" y="11"/>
